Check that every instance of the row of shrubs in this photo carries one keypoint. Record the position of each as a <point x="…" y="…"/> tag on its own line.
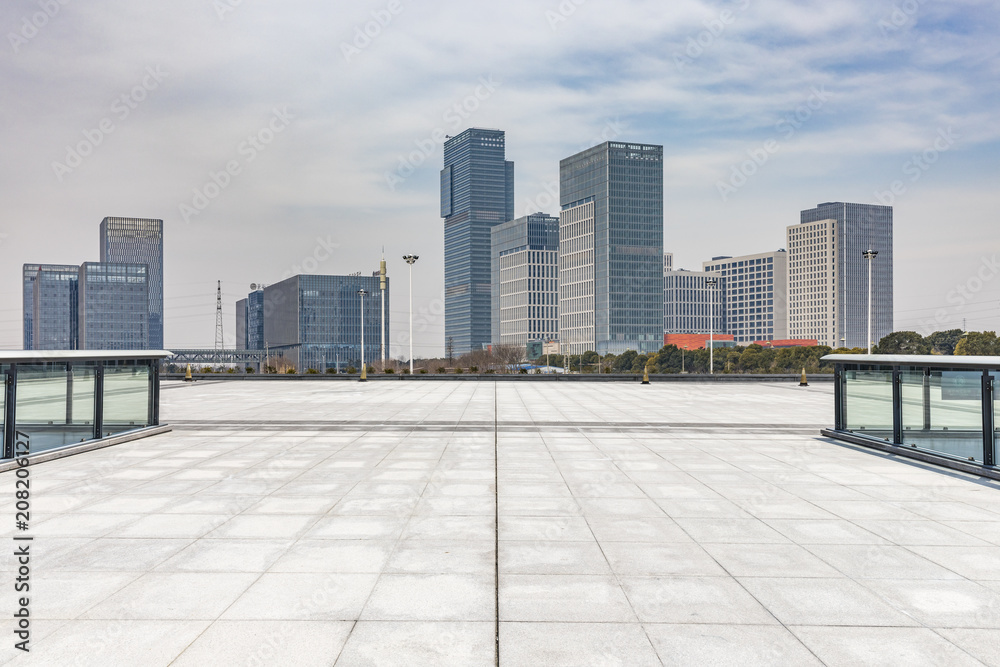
<point x="350" y="370"/>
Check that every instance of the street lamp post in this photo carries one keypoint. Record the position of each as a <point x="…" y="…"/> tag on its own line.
<point x="869" y="256"/>
<point x="364" y="374"/>
<point x="683" y="349"/>
<point x="711" y="282"/>
<point x="410" y="259"/>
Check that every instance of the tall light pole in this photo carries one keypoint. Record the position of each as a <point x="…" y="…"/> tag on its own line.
<point x="711" y="282"/>
<point x="364" y="375"/>
<point x="382" y="286"/>
<point x="869" y="256"/>
<point x="410" y="259"/>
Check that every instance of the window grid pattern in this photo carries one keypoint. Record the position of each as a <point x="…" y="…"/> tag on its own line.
<point x="139" y="241"/>
<point x="525" y="280"/>
<point x="812" y="275"/>
<point x="691" y="305"/>
<point x="756" y="295"/>
<point x="113" y="306"/>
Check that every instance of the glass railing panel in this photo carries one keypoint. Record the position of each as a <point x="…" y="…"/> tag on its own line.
<point x="126" y="397"/>
<point x="3" y="403"/>
<point x="942" y="412"/>
<point x="868" y="396"/>
<point x="996" y="414"/>
<point x="44" y="407"/>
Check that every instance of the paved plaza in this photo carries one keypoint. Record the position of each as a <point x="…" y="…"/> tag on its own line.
<point x="590" y="524"/>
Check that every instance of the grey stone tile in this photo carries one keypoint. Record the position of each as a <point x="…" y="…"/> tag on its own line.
<point x="357" y="528"/>
<point x="874" y="561"/>
<point x="693" y="600"/>
<point x="265" y="526"/>
<point x="575" y="644"/>
<point x="731" y="531"/>
<point x="552" y="557"/>
<point x="660" y="559"/>
<point x="921" y="533"/>
<point x="984" y="645"/>
<point x="824" y="602"/>
<point x="737" y="645"/>
<point x="836" y="531"/>
<point x="568" y="598"/>
<point x="642" y="529"/>
<point x="769" y="560"/>
<point x="335" y="556"/>
<point x="419" y="644"/>
<point x="468" y="527"/>
<point x="116" y="642"/>
<point x="976" y="563"/>
<point x="573" y="528"/>
<point x="882" y="646"/>
<point x="432" y="597"/>
<point x="66" y="595"/>
<point x="303" y="597"/>
<point x="113" y="554"/>
<point x="174" y="596"/>
<point x="223" y="555"/>
<point x="443" y="557"/>
<point x="238" y="643"/>
<point x="942" y="604"/>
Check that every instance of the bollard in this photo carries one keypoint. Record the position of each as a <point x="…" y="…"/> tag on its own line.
<point x="645" y="374"/>
<point x="187" y="374"/>
<point x="802" y="380"/>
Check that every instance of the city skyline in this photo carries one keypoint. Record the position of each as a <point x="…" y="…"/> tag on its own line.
<point x="873" y="106"/>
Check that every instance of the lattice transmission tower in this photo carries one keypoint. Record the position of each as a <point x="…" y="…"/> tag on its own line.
<point x="220" y="342"/>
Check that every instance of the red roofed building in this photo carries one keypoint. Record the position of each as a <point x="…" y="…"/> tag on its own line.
<point x="697" y="341"/>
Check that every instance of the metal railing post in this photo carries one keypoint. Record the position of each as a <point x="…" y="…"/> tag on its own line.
<point x="10" y="414"/>
<point x="98" y="399"/>
<point x="897" y="406"/>
<point x="989" y="455"/>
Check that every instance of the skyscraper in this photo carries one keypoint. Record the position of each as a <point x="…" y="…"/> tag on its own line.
<point x="477" y="193"/>
<point x="139" y="241"/>
<point x="756" y="299"/>
<point x="113" y="306"/>
<point x="525" y="280"/>
<point x="54" y="294"/>
<point x="691" y="305"/>
<point x="611" y="249"/>
<point x="828" y="274"/>
<point x="250" y="321"/>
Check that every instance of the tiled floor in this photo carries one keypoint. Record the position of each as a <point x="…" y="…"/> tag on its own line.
<point x="387" y="523"/>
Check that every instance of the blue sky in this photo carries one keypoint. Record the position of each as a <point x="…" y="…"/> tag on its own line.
<point x="873" y="83"/>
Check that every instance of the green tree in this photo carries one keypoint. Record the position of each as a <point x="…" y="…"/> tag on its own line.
<point x="903" y="342"/>
<point x="944" y="342"/>
<point x="978" y="343"/>
<point x="623" y="362"/>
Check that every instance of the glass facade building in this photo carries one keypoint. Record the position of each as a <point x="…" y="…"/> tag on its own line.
<point x="315" y="321"/>
<point x="611" y="249"/>
<point x="28" y="274"/>
<point x="139" y="241"/>
<point x="250" y="321"/>
<point x="477" y="193"/>
<point x="54" y="293"/>
<point x="525" y="280"/>
<point x="756" y="295"/>
<point x="691" y="305"/>
<point x="828" y="274"/>
<point x="113" y="306"/>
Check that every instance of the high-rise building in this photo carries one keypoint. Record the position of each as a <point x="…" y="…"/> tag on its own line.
<point x="28" y="274"/>
<point x="54" y="294"/>
<point x="113" y="306"/>
<point x="526" y="280"/>
<point x="611" y="249"/>
<point x="250" y="321"/>
<point x="691" y="305"/>
<point x="477" y="193"/>
<point x="139" y="241"/>
<point x="756" y="299"/>
<point x="668" y="261"/>
<point x="828" y="274"/>
<point x="315" y="321"/>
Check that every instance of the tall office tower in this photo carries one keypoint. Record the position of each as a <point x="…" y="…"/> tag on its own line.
<point x="28" y="274"/>
<point x="250" y="321"/>
<point x="113" y="306"/>
<point x="611" y="249"/>
<point x="53" y="319"/>
<point x="828" y="274"/>
<point x="477" y="193"/>
<point x="315" y="321"/>
<point x="756" y="298"/>
<point x="691" y="305"/>
<point x="668" y="261"/>
<point x="525" y="280"/>
<point x="139" y="241"/>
